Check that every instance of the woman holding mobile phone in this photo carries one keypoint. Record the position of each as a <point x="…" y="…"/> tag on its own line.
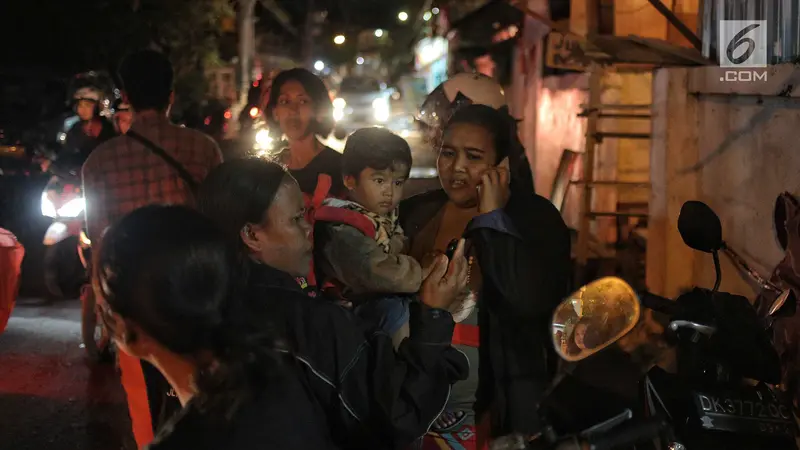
<point x="518" y="249"/>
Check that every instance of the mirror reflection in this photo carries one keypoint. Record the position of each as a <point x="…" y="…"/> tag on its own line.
<point x="594" y="317"/>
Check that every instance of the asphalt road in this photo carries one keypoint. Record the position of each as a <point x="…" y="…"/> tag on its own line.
<point x="50" y="398"/>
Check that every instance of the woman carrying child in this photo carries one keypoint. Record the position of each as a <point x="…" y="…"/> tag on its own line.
<point x="519" y="258"/>
<point x="373" y="395"/>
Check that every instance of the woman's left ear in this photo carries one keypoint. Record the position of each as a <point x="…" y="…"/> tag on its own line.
<point x="248" y="236"/>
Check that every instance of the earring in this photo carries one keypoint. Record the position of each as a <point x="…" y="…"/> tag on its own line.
<point x="249" y="232"/>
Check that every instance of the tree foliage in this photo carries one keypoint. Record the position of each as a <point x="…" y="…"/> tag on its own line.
<point x="70" y="36"/>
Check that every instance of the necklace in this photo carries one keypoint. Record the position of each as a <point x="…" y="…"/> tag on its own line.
<point x="470" y="260"/>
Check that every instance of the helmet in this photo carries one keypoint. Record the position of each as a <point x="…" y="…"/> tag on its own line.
<point x="121" y="106"/>
<point x="87" y="93"/>
<point x="463" y="88"/>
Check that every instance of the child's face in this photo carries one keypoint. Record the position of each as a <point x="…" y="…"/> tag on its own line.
<point x="378" y="190"/>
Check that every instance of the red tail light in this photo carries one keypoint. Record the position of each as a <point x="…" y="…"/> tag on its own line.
<point x="227" y="113"/>
<point x="207" y="121"/>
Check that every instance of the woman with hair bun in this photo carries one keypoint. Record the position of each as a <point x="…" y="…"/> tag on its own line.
<point x="167" y="290"/>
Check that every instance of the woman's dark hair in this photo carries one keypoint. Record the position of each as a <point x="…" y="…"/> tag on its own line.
<point x="322" y="122"/>
<point x="239" y="192"/>
<point x="171" y="271"/>
<point x="376" y="148"/>
<point x="147" y="78"/>
<point x="503" y="128"/>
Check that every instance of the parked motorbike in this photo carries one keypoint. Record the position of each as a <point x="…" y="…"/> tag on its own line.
<point x="65" y="240"/>
<point x="721" y="395"/>
<point x="577" y="411"/>
<point x="777" y="302"/>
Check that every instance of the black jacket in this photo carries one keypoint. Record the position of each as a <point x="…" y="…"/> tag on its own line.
<point x="524" y="255"/>
<point x="284" y="416"/>
<point x="373" y="397"/>
<point x="77" y="141"/>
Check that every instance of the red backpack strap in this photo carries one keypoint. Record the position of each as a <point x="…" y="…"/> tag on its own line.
<point x="313" y="202"/>
<point x="324" y="183"/>
<point x="345" y="216"/>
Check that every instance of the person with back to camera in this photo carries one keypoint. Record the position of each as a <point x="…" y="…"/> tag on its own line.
<point x="154" y="162"/>
<point x="168" y="291"/>
<point x="374" y="397"/>
<point x="359" y="241"/>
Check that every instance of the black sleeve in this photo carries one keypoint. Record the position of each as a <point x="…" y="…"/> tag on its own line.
<point x="529" y="262"/>
<point x="371" y="393"/>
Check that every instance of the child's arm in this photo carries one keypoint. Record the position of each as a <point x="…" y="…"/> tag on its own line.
<point x="361" y="264"/>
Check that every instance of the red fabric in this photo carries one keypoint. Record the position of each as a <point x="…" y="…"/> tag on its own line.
<point x="313" y="203"/>
<point x="138" y="404"/>
<point x="11" y="254"/>
<point x="468" y="335"/>
<point x="347" y="217"/>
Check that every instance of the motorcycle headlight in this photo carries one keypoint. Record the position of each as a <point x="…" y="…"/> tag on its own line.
<point x="73" y="208"/>
<point x="48" y="208"/>
<point x="338" y="108"/>
<point x="263" y="140"/>
<point x="381" y="109"/>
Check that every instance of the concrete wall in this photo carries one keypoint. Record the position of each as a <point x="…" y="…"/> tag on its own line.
<point x="732" y="145"/>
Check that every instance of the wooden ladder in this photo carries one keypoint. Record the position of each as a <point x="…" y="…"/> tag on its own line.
<point x="595" y="111"/>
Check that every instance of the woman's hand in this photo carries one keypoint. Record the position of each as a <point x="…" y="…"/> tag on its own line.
<point x="445" y="281"/>
<point x="493" y="192"/>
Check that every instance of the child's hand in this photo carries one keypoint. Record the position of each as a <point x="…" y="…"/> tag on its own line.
<point x="445" y="282"/>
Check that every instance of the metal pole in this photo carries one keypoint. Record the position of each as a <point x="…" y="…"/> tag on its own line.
<point x="590" y="143"/>
<point x="246" y="27"/>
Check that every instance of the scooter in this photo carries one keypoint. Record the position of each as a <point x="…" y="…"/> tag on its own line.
<point x="721" y="395"/>
<point x="778" y="300"/>
<point x="575" y="413"/>
<point x="65" y="241"/>
<point x="724" y="393"/>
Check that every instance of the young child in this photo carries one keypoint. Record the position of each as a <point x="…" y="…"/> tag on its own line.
<point x="359" y="241"/>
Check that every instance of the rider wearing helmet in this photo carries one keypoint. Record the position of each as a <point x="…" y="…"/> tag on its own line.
<point x="92" y="129"/>
<point x="518" y="253"/>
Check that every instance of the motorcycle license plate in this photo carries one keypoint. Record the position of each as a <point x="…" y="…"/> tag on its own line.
<point x="744" y="412"/>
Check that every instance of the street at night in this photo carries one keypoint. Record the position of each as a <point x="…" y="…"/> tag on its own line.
<point x="50" y="398"/>
<point x="399" y="225"/>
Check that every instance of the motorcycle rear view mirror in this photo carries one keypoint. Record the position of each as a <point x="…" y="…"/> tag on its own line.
<point x="594" y="317"/>
<point x="700" y="227"/>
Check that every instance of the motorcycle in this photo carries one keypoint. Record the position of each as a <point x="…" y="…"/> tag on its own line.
<point x="721" y="393"/>
<point x="778" y="298"/>
<point x="724" y="393"/>
<point x="65" y="239"/>
<point x="575" y="414"/>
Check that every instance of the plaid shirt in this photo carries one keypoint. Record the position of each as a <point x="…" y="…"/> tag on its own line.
<point x="122" y="175"/>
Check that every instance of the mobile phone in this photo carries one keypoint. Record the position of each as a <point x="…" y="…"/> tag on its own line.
<point x="451" y="249"/>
